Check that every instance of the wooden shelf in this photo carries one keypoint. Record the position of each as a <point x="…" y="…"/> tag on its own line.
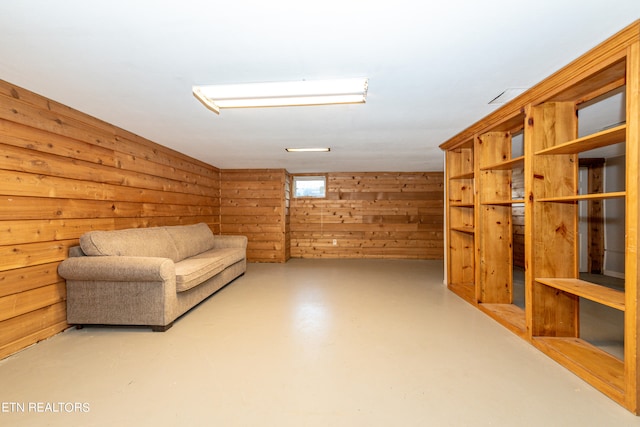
<point x="467" y="175"/>
<point x="504" y="202"/>
<point x="509" y="315"/>
<point x="466" y="291"/>
<point x="517" y="162"/>
<point x="577" y="198"/>
<point x="604" y="138"/>
<point x="594" y="365"/>
<point x="466" y="229"/>
<point x="598" y="293"/>
<point x="461" y="205"/>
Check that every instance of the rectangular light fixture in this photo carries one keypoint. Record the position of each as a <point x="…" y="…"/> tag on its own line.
<point x="280" y="94"/>
<point x="307" y="150"/>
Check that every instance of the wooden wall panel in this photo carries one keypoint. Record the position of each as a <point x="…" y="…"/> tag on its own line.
<point x="63" y="173"/>
<point x="254" y="204"/>
<point x="371" y="215"/>
<point x="517" y="217"/>
<point x="287" y="215"/>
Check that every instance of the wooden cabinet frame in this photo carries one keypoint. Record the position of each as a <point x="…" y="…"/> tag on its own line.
<point x="479" y="171"/>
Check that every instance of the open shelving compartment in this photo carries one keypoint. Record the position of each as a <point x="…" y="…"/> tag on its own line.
<point x="566" y="281"/>
<point x="461" y="220"/>
<point x="558" y="293"/>
<point x="501" y="197"/>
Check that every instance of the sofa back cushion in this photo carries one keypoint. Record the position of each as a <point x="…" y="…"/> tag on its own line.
<point x="191" y="240"/>
<point x="147" y="242"/>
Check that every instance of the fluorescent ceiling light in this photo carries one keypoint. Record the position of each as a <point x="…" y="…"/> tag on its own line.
<point x="280" y="94"/>
<point x="304" y="150"/>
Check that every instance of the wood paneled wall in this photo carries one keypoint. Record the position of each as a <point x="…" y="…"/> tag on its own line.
<point x="517" y="217"/>
<point x="255" y="204"/>
<point x="63" y="173"/>
<point x="371" y="215"/>
<point x="287" y="215"/>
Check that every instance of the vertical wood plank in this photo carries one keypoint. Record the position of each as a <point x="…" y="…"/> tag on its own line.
<point x="495" y="231"/>
<point x="555" y="225"/>
<point x="595" y="234"/>
<point x="254" y="204"/>
<point x="632" y="264"/>
<point x="529" y="199"/>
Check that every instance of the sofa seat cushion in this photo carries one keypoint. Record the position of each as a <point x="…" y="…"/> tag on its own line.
<point x="193" y="271"/>
<point x="228" y="256"/>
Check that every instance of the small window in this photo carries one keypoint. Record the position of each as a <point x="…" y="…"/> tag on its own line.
<point x="309" y="186"/>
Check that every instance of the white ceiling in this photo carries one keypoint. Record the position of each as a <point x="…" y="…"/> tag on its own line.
<point x="432" y="69"/>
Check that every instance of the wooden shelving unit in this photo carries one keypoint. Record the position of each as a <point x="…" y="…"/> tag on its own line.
<point x="482" y="198"/>
<point x="461" y="220"/>
<point x="494" y="233"/>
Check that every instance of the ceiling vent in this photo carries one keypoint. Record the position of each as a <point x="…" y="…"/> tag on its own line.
<point x="507" y="95"/>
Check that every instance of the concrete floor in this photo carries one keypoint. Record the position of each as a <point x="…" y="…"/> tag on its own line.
<point x="306" y="343"/>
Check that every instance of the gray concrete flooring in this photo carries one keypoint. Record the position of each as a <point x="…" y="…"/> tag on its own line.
<point x="306" y="343"/>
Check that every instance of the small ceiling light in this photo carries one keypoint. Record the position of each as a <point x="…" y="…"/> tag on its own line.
<point x="306" y="150"/>
<point x="281" y="94"/>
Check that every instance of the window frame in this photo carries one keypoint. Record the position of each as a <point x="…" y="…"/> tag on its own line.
<point x="308" y="177"/>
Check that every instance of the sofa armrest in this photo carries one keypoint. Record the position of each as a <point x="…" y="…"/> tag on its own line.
<point x="117" y="269"/>
<point x="227" y="241"/>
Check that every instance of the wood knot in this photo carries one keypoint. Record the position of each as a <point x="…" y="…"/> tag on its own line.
<point x="562" y="229"/>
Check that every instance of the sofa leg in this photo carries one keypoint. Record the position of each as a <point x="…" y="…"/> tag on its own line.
<point x="161" y="328"/>
<point x="79" y="326"/>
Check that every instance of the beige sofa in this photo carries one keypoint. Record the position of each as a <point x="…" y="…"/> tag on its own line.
<point x="147" y="276"/>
